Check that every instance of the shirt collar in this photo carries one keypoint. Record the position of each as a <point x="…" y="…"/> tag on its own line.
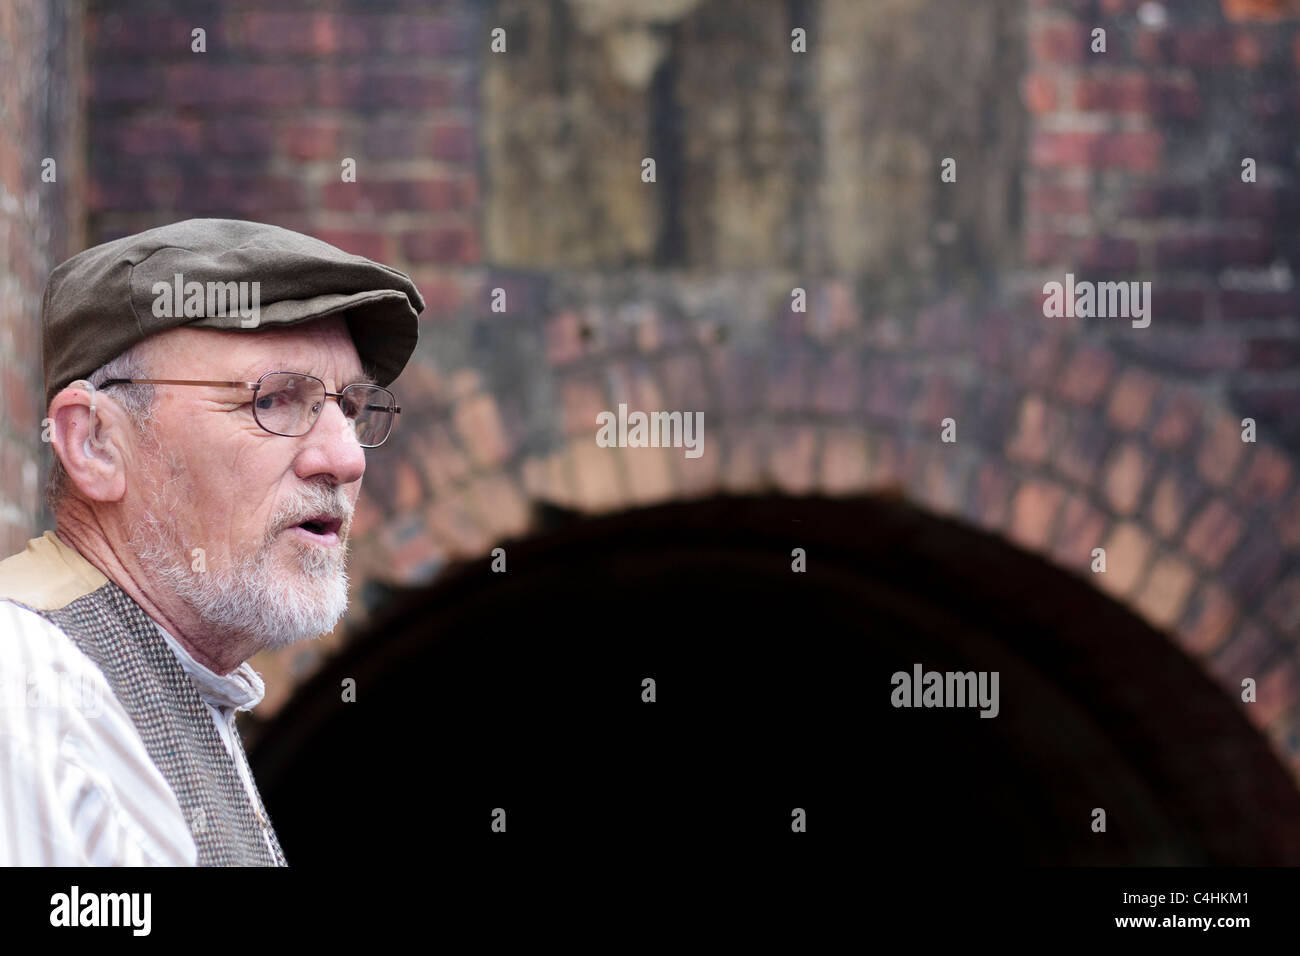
<point x="241" y="689"/>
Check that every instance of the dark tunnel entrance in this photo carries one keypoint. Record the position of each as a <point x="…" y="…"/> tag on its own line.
<point x="522" y="690"/>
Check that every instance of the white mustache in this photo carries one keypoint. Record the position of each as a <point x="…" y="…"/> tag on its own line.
<point x="328" y="506"/>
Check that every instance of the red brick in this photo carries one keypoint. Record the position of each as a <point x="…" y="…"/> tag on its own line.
<point x="943" y="479"/>
<point x="452" y="141"/>
<point x="314" y="139"/>
<point x="685" y="382"/>
<point x="844" y="462"/>
<point x="1267" y="476"/>
<point x="244" y="137"/>
<point x="445" y="461"/>
<point x="1033" y="513"/>
<point x="1038" y="429"/>
<point x="1176" y="422"/>
<point x="151" y="136"/>
<point x="478" y="420"/>
<point x="449" y="244"/>
<point x="1252" y="568"/>
<point x="159" y="33"/>
<point x="1082" y="528"/>
<point x="1055" y="43"/>
<point x="1264" y="10"/>
<point x="1210" y="46"/>
<point x="1258" y="203"/>
<point x="441" y="36"/>
<point x="1213" y="533"/>
<point x="372" y="245"/>
<point x="1242" y="656"/>
<point x="887" y="468"/>
<point x="990" y="496"/>
<point x="888" y="387"/>
<point x="229" y="86"/>
<point x="1087" y="374"/>
<point x="1106" y="252"/>
<point x="400" y="87"/>
<point x="582" y="398"/>
<point x="1040" y="359"/>
<point x="835" y="389"/>
<point x="1211" y="614"/>
<point x="1130" y="400"/>
<point x="1126" y="475"/>
<point x="434" y="194"/>
<point x="22" y="406"/>
<point x="1139" y="151"/>
<point x="1080" y="454"/>
<point x="1044" y="248"/>
<point x="1038" y="91"/>
<point x="1221" y="451"/>
<point x="1168" y="200"/>
<point x="501" y="502"/>
<point x="1051" y="200"/>
<point x="110" y="85"/>
<point x="793" y="454"/>
<point x="787" y="380"/>
<point x="1127" y="551"/>
<point x="1164" y="596"/>
<point x="1136" y="93"/>
<point x="939" y="398"/>
<point x="1173" y="497"/>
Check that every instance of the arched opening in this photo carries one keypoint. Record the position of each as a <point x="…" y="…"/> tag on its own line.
<point x="522" y="690"/>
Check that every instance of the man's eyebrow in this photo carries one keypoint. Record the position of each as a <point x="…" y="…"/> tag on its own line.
<point x="250" y="373"/>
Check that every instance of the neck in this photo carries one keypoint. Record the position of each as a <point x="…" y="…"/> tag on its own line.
<point x="81" y="528"/>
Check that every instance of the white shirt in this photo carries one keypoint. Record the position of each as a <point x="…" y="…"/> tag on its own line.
<point x="77" y="786"/>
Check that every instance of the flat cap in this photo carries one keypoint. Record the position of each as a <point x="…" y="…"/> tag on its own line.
<point x="104" y="300"/>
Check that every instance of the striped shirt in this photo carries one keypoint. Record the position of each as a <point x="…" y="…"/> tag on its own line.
<point x="77" y="786"/>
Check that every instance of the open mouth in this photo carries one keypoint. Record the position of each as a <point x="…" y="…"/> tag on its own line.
<point x="322" y="528"/>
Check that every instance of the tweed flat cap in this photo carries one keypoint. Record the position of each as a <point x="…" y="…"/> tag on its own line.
<point x="219" y="274"/>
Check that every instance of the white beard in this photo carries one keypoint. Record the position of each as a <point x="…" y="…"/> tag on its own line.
<point x="252" y="597"/>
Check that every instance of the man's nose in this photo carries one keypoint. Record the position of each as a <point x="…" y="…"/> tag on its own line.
<point x="332" y="447"/>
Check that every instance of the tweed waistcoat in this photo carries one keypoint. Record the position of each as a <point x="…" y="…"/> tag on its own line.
<point x="173" y="721"/>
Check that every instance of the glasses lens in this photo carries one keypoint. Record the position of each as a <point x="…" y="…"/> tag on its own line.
<point x="288" y="403"/>
<point x="370" y="409"/>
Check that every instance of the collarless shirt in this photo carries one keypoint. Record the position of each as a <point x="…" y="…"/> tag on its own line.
<point x="77" y="785"/>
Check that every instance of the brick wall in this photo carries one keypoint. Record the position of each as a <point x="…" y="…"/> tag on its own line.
<point x="478" y="171"/>
<point x="41" y="116"/>
<point x="1136" y="167"/>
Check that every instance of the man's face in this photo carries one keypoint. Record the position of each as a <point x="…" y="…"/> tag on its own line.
<point x="213" y="479"/>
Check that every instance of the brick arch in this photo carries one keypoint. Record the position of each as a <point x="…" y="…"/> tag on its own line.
<point x="749" y="657"/>
<point x="1069" y="436"/>
<point x="1062" y="446"/>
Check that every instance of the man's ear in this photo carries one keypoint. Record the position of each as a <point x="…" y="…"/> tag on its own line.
<point x="89" y="434"/>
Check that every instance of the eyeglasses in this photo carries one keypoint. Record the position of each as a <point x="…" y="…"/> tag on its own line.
<point x="289" y="403"/>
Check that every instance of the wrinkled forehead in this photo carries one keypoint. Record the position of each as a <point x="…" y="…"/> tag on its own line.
<point x="321" y="347"/>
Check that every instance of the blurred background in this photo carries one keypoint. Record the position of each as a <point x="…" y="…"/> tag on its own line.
<point x="776" y="169"/>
